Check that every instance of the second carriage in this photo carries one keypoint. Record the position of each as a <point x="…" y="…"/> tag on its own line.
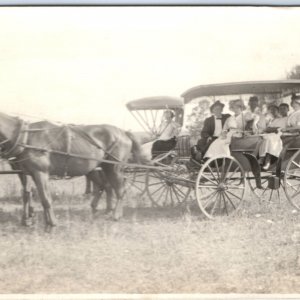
<point x="219" y="183"/>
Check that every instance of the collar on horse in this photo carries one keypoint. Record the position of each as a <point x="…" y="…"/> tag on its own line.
<point x="12" y="147"/>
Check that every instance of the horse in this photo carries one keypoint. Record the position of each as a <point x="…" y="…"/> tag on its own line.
<point x="44" y="149"/>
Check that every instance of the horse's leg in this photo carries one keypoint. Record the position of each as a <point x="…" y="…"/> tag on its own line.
<point x="115" y="178"/>
<point x="41" y="180"/>
<point x="100" y="184"/>
<point x="88" y="186"/>
<point x="28" y="211"/>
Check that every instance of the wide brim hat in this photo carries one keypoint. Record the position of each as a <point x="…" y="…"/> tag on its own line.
<point x="215" y="104"/>
<point x="239" y="102"/>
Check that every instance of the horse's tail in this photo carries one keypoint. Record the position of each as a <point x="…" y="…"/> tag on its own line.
<point x="136" y="150"/>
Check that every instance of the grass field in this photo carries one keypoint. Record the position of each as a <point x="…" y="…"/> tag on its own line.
<point x="149" y="251"/>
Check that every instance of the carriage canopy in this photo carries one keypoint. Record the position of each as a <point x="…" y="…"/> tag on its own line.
<point x="160" y="102"/>
<point x="281" y="87"/>
<point x="149" y="111"/>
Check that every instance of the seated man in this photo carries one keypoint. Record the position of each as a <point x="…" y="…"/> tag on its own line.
<point x="212" y="129"/>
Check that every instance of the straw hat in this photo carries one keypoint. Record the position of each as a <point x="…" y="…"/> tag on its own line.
<point x="238" y="103"/>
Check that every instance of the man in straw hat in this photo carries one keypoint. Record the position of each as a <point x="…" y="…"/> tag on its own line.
<point x="212" y="129"/>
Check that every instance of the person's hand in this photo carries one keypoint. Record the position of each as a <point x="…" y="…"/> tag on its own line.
<point x="209" y="139"/>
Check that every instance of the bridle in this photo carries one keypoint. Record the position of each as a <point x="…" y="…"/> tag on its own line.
<point x="14" y="147"/>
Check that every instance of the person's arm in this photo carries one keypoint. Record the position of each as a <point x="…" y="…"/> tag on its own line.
<point x="205" y="130"/>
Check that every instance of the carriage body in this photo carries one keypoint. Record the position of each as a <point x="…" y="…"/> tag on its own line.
<point x="219" y="183"/>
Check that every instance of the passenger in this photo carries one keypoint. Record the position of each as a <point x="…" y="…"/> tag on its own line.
<point x="233" y="126"/>
<point x="168" y="132"/>
<point x="212" y="129"/>
<point x="252" y="115"/>
<point x="166" y="137"/>
<point x="271" y="145"/>
<point x="239" y="119"/>
<point x="293" y="120"/>
<point x="220" y="146"/>
<point x="284" y="110"/>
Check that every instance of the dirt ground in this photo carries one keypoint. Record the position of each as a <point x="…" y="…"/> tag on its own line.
<point x="151" y="250"/>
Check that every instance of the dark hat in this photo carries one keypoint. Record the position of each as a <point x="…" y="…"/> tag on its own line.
<point x="295" y="97"/>
<point x="215" y="104"/>
<point x="253" y="99"/>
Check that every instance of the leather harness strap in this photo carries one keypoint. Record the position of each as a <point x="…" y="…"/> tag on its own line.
<point x="21" y="138"/>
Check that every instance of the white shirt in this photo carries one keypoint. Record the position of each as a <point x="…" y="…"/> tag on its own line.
<point x="218" y="127"/>
<point x="294" y="119"/>
<point x="168" y="130"/>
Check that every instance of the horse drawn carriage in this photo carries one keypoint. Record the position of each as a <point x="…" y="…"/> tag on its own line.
<point x="218" y="183"/>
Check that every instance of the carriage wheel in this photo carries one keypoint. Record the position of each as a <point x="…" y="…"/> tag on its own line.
<point x="265" y="193"/>
<point x="166" y="188"/>
<point x="291" y="180"/>
<point x="135" y="181"/>
<point x="220" y="186"/>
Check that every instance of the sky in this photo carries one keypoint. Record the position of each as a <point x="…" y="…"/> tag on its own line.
<point x="82" y="64"/>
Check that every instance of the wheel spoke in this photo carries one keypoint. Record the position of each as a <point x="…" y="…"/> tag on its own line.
<point x="175" y="192"/>
<point x="296" y="164"/>
<point x="167" y="193"/>
<point x="212" y="173"/>
<point x="228" y="168"/>
<point x="293" y="175"/>
<point x="292" y="187"/>
<point x="235" y="187"/>
<point x="158" y="189"/>
<point x="231" y="175"/>
<point x="157" y="201"/>
<point x="229" y="200"/>
<point x="233" y="195"/>
<point x="215" y="204"/>
<point x="179" y="191"/>
<point x="225" y="205"/>
<point x="217" y="169"/>
<point x="209" y="194"/>
<point x="204" y="176"/>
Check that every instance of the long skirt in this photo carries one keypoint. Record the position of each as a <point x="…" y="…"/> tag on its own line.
<point x="271" y="144"/>
<point x="219" y="147"/>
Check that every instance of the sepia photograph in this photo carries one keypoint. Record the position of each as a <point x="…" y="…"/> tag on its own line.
<point x="149" y="151"/>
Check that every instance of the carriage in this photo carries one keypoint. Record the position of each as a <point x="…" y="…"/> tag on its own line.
<point x="219" y="183"/>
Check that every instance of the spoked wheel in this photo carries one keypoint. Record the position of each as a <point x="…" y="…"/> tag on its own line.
<point x="168" y="188"/>
<point x="265" y="193"/>
<point x="291" y="180"/>
<point x="135" y="182"/>
<point x="220" y="186"/>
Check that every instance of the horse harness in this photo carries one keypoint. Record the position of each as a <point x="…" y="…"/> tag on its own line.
<point x="20" y="142"/>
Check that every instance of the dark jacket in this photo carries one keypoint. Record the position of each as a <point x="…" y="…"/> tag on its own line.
<point x="209" y="126"/>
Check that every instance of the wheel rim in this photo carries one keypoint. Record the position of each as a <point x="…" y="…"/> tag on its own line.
<point x="291" y="180"/>
<point x="164" y="188"/>
<point x="220" y="186"/>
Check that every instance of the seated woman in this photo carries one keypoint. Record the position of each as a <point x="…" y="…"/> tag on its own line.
<point x="166" y="137"/>
<point x="271" y="145"/>
<point x="220" y="146"/>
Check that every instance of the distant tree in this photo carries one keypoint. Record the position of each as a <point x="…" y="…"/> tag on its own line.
<point x="294" y="73"/>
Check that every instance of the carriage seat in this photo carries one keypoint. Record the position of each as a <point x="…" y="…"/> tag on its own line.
<point x="180" y="144"/>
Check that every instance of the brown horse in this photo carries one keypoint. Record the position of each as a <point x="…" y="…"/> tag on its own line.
<point x="43" y="149"/>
